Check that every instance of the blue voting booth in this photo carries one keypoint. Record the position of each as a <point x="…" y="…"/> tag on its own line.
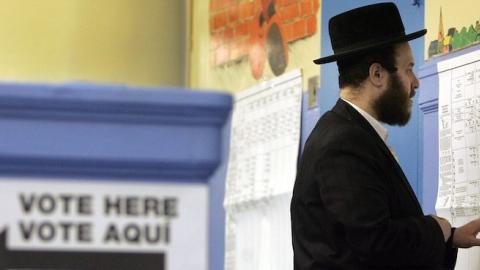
<point x="105" y="133"/>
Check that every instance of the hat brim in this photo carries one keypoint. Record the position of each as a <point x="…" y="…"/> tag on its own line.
<point x="335" y="57"/>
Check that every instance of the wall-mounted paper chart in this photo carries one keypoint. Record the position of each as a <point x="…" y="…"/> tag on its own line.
<point x="264" y="147"/>
<point x="458" y="196"/>
<point x="264" y="139"/>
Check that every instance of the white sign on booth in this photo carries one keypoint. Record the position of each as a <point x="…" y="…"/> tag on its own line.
<point x="158" y="219"/>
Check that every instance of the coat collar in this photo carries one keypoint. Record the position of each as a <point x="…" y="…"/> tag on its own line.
<point x="379" y="128"/>
<point x="347" y="111"/>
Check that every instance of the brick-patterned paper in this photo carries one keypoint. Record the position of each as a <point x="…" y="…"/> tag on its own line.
<point x="235" y="25"/>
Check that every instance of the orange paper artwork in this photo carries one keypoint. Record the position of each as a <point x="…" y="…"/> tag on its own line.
<point x="259" y="30"/>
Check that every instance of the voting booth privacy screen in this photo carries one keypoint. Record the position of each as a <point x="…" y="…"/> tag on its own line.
<point x="109" y="177"/>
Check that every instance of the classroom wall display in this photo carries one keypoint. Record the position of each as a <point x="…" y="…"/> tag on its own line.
<point x="253" y="41"/>
<point x="259" y="31"/>
<point x="452" y="25"/>
<point x="67" y="224"/>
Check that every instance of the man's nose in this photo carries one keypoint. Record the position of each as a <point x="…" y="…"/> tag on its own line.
<point x="416" y="82"/>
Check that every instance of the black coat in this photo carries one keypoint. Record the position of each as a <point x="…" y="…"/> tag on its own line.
<point x="352" y="206"/>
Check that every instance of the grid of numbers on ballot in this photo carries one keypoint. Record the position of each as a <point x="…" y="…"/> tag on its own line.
<point x="264" y="145"/>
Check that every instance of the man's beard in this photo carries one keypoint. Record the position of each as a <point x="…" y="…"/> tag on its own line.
<point x="394" y="106"/>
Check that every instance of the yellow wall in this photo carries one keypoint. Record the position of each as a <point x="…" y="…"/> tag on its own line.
<point x="136" y="42"/>
<point x="236" y="77"/>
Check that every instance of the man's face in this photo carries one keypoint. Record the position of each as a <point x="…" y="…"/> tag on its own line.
<point x="394" y="105"/>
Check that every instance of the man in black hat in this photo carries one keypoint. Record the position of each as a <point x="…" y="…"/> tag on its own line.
<point x="352" y="206"/>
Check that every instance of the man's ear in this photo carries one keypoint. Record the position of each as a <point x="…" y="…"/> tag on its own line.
<point x="377" y="75"/>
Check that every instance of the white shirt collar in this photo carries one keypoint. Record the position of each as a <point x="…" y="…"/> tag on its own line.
<point x="381" y="130"/>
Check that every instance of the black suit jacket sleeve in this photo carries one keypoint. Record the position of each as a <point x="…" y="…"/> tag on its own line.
<point x="357" y="191"/>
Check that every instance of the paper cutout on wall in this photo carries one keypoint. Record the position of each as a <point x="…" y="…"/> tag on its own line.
<point x="453" y="39"/>
<point x="259" y="30"/>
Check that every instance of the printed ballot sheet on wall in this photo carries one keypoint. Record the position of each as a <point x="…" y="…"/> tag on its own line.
<point x="458" y="197"/>
<point x="264" y="146"/>
<point x="66" y="224"/>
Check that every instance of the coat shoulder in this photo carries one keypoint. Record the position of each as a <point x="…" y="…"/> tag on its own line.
<point x="334" y="129"/>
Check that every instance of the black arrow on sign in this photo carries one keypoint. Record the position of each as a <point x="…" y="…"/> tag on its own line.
<point x="56" y="260"/>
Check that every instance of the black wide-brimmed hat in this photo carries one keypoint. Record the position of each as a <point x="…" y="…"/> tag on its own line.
<point x="366" y="28"/>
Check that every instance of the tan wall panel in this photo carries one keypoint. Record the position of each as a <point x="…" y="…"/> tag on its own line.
<point x="136" y="42"/>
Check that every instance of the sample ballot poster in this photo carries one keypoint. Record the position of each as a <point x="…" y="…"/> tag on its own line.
<point x="102" y="225"/>
<point x="458" y="196"/>
<point x="264" y="148"/>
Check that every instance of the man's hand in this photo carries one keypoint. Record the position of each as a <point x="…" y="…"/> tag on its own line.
<point x="466" y="235"/>
<point x="445" y="225"/>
